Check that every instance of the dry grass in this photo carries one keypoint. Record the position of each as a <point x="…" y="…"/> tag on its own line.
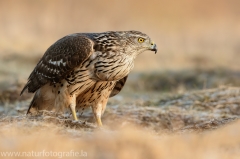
<point x="183" y="80"/>
<point x="123" y="142"/>
<point x="188" y="125"/>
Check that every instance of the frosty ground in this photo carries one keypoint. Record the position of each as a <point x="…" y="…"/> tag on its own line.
<point x="166" y="118"/>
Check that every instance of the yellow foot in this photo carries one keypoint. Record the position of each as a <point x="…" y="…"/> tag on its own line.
<point x="99" y="121"/>
<point x="74" y="114"/>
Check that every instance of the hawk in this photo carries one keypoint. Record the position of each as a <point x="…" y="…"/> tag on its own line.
<point x="85" y="69"/>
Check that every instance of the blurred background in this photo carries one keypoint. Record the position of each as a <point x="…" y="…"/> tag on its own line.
<point x="191" y="35"/>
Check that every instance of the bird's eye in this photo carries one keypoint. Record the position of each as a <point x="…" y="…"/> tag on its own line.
<point x="141" y="40"/>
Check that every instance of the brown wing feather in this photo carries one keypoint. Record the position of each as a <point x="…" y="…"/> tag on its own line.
<point x="118" y="87"/>
<point x="59" y="60"/>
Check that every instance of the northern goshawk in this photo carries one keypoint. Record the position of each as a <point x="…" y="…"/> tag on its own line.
<point x="85" y="69"/>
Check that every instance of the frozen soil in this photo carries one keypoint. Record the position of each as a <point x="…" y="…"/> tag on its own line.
<point x="157" y="111"/>
<point x="182" y="123"/>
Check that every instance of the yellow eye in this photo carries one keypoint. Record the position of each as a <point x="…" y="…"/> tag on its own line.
<point x="141" y="40"/>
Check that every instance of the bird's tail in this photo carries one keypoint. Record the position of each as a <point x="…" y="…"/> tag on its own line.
<point x="118" y="87"/>
<point x="33" y="107"/>
<point x="44" y="99"/>
<point x="24" y="88"/>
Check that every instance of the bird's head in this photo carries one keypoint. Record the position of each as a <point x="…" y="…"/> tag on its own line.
<point x="137" y="42"/>
<point x="129" y="42"/>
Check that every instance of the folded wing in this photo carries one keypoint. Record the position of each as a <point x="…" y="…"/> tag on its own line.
<point x="59" y="60"/>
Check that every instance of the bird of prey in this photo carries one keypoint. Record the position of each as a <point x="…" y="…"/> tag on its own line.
<point x="85" y="69"/>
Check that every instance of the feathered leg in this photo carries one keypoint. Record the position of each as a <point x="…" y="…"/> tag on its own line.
<point x="98" y="111"/>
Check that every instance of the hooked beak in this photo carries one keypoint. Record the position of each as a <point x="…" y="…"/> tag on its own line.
<point x="153" y="47"/>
